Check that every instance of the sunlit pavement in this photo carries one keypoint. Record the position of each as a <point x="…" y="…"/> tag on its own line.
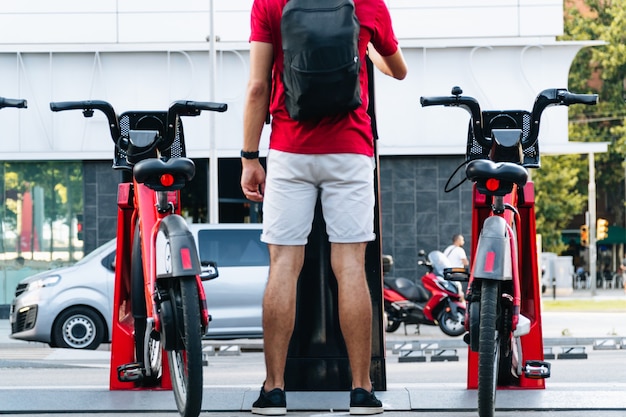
<point x="38" y="380"/>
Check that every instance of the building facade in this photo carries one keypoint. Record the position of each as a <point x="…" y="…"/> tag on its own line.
<point x="142" y="55"/>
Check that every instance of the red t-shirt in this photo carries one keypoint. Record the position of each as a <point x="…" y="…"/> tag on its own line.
<point x="351" y="133"/>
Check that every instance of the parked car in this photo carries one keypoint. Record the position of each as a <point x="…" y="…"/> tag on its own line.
<point x="71" y="307"/>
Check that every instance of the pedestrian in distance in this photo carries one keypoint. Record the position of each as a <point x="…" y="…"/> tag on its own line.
<point x="455" y="252"/>
<point x="310" y="153"/>
<point x="457" y="257"/>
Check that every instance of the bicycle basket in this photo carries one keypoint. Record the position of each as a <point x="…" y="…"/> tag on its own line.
<point x="503" y="119"/>
<point x="148" y="120"/>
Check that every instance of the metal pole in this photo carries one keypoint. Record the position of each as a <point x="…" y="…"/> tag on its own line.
<point x="213" y="171"/>
<point x="593" y="255"/>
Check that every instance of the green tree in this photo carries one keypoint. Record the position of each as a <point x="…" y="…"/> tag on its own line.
<point x="562" y="181"/>
<point x="557" y="199"/>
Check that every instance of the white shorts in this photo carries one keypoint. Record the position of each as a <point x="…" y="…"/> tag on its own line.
<point x="346" y="184"/>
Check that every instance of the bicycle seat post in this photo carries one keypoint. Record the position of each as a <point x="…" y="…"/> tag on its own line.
<point x="163" y="204"/>
<point x="498" y="205"/>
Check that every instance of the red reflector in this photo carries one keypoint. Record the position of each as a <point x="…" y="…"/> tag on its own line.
<point x="490" y="260"/>
<point x="185" y="258"/>
<point x="167" y="180"/>
<point x="492" y="184"/>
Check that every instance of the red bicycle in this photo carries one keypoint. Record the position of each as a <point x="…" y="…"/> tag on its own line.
<point x="503" y="302"/>
<point x="160" y="301"/>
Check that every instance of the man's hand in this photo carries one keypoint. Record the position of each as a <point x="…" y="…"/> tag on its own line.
<point x="252" y="179"/>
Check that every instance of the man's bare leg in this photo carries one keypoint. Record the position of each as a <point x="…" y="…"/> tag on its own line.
<point x="355" y="308"/>
<point x="279" y="310"/>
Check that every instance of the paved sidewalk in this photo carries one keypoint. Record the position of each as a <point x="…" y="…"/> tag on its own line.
<point x="39" y="381"/>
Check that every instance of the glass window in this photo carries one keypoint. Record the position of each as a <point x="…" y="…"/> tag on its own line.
<point x="42" y="203"/>
<point x="233" y="247"/>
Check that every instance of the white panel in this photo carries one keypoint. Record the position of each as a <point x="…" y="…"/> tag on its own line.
<point x="76" y="21"/>
<point x="232" y="5"/>
<point x="233" y="26"/>
<point x="455" y="23"/>
<point x="451" y="4"/>
<point x="541" y="20"/>
<point x="163" y="27"/>
<point x="152" y="6"/>
<point x="58" y="28"/>
<point x="59" y="6"/>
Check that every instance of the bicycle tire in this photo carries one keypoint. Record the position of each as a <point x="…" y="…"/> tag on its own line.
<point x="489" y="349"/>
<point x="150" y="356"/>
<point x="185" y="360"/>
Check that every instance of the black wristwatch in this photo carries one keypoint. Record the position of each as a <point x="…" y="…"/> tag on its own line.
<point x="249" y="155"/>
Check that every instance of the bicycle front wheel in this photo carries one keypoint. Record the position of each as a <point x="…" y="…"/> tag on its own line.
<point x="185" y="360"/>
<point x="488" y="349"/>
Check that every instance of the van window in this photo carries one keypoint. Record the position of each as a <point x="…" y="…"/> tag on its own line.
<point x="233" y="247"/>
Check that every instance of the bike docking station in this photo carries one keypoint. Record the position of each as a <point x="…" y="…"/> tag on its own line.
<point x="317" y="358"/>
<point x="529" y="292"/>
<point x="123" y="326"/>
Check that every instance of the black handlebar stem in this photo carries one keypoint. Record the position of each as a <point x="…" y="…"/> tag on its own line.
<point x="470" y="104"/>
<point x="19" y="103"/>
<point x="187" y="108"/>
<point x="88" y="106"/>
<point x="554" y="97"/>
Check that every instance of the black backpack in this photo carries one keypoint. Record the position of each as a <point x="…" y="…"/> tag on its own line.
<point x="320" y="44"/>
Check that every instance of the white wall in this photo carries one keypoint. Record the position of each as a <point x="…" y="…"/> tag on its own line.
<point x="130" y="21"/>
<point x="143" y="54"/>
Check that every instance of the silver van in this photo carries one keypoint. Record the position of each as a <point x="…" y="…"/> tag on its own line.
<point x="71" y="307"/>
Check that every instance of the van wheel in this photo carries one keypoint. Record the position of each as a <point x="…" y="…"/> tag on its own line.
<point x="78" y="328"/>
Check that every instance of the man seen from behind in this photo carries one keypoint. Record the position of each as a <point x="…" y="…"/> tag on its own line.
<point x="332" y="156"/>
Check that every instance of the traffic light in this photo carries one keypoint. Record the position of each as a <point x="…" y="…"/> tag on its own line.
<point x="79" y="227"/>
<point x="602" y="229"/>
<point x="584" y="235"/>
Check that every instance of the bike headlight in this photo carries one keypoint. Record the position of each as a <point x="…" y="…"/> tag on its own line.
<point x="48" y="281"/>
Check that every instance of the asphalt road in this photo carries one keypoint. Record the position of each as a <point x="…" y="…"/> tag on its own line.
<point x="27" y="366"/>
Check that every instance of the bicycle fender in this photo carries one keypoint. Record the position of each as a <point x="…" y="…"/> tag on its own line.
<point x="493" y="253"/>
<point x="176" y="252"/>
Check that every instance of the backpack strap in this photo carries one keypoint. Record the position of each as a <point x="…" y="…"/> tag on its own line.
<point x="371" y="108"/>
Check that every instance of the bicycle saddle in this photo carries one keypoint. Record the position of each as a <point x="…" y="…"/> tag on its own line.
<point x="481" y="170"/>
<point x="150" y="171"/>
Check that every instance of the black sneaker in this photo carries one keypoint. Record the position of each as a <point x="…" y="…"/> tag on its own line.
<point x="271" y="403"/>
<point x="364" y="403"/>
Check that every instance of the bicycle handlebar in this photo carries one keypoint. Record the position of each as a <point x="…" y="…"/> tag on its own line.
<point x="88" y="106"/>
<point x="547" y="98"/>
<point x="176" y="109"/>
<point x="20" y="103"/>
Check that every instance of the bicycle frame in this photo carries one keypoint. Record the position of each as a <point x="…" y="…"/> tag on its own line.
<point x="520" y="265"/>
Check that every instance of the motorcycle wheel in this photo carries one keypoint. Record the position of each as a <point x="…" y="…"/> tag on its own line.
<point x="489" y="349"/>
<point x="392" y="325"/>
<point x="452" y="324"/>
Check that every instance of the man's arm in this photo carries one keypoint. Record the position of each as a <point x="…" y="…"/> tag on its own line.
<point x="255" y="112"/>
<point x="393" y="65"/>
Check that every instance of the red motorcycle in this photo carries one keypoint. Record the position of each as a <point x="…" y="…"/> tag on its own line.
<point x="437" y="303"/>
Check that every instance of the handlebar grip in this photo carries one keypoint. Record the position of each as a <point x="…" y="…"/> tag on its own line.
<point x="210" y="106"/>
<point x="438" y="101"/>
<point x="572" y="98"/>
<point x="80" y="105"/>
<point x="13" y="102"/>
